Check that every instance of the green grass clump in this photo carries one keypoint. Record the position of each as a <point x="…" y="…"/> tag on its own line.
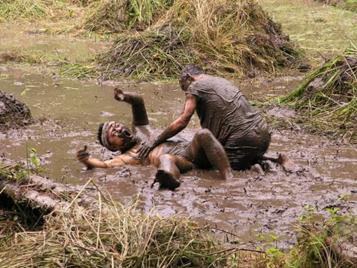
<point x="76" y="70"/>
<point x="327" y="98"/>
<point x="111" y="236"/>
<point x="33" y="9"/>
<point x="224" y="35"/>
<point x="10" y="9"/>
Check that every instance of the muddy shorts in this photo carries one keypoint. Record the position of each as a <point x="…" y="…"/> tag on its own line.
<point x="247" y="150"/>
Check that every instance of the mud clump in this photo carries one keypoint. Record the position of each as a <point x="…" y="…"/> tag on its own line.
<point x="327" y="98"/>
<point x="226" y="36"/>
<point x="13" y="113"/>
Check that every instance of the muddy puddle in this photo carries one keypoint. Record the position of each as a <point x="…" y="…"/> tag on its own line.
<point x="249" y="205"/>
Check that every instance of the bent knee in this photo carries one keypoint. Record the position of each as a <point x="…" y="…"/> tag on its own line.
<point x="204" y="134"/>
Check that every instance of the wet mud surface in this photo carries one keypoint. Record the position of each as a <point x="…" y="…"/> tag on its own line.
<point x="68" y="112"/>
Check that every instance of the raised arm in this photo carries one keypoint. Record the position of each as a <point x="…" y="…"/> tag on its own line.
<point x="138" y="109"/>
<point x="175" y="127"/>
<point x="90" y="162"/>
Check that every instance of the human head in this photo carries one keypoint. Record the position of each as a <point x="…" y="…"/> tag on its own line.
<point x="187" y="75"/>
<point x="115" y="136"/>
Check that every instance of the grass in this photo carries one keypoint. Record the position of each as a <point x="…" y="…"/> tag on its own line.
<point x="227" y="36"/>
<point x="346" y="4"/>
<point x="110" y="235"/>
<point x="327" y="98"/>
<point x="321" y="31"/>
<point x="118" y="15"/>
<point x="324" y="242"/>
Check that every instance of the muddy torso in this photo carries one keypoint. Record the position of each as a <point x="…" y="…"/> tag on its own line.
<point x="223" y="109"/>
<point x="13" y="113"/>
<point x="174" y="146"/>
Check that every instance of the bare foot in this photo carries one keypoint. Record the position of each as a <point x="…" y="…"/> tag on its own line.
<point x="166" y="180"/>
<point x="287" y="164"/>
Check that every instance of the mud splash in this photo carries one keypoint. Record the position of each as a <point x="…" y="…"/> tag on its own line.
<point x="250" y="205"/>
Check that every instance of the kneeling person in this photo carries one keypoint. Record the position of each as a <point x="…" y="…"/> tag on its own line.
<point x="171" y="157"/>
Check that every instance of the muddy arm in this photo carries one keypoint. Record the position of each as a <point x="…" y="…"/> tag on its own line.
<point x="90" y="162"/>
<point x="138" y="109"/>
<point x="175" y="127"/>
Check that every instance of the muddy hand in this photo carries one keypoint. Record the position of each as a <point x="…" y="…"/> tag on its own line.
<point x="83" y="155"/>
<point x="118" y="94"/>
<point x="144" y="150"/>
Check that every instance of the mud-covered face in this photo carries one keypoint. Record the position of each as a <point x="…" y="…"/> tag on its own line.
<point x="119" y="136"/>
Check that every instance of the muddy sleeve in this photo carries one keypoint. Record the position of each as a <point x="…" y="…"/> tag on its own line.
<point x="193" y="89"/>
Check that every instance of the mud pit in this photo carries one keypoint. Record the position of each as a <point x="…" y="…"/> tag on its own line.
<point x="68" y="113"/>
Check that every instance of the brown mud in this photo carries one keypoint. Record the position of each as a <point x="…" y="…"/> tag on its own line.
<point x="250" y="205"/>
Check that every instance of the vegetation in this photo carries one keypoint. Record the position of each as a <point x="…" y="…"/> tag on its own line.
<point x="33" y="9"/>
<point x="118" y="15"/>
<point x="325" y="242"/>
<point x="347" y="4"/>
<point x="321" y="31"/>
<point x="224" y="35"/>
<point x="111" y="235"/>
<point x="327" y="98"/>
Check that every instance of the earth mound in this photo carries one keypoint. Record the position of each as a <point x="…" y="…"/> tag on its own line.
<point x="13" y="113"/>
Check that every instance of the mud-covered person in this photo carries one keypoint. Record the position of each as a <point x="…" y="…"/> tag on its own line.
<point x="171" y="157"/>
<point x="224" y="110"/>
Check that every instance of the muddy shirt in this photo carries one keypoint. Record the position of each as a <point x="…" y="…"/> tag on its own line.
<point x="223" y="109"/>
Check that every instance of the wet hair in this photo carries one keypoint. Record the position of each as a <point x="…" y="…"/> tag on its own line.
<point x="191" y="69"/>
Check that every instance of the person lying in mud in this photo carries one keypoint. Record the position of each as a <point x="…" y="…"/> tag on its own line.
<point x="224" y="110"/>
<point x="170" y="157"/>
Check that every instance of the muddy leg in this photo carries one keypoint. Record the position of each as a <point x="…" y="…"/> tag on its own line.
<point x="168" y="173"/>
<point x="214" y="151"/>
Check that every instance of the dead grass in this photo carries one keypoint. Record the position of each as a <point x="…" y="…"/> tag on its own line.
<point x="112" y="236"/>
<point x="119" y="15"/>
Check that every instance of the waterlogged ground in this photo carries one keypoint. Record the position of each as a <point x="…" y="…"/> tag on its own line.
<point x="251" y="205"/>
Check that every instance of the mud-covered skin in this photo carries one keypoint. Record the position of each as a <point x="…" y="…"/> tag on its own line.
<point x="13" y="113"/>
<point x="171" y="158"/>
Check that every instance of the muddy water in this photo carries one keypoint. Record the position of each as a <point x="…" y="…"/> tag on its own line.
<point x="250" y="205"/>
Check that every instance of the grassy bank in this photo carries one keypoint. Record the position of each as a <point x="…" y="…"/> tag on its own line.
<point x="321" y="31"/>
<point x="111" y="235"/>
<point x="346" y="4"/>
